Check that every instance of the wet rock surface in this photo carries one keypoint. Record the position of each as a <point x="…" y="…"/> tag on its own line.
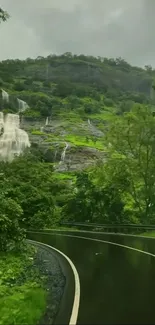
<point x="48" y="266"/>
<point x="51" y="142"/>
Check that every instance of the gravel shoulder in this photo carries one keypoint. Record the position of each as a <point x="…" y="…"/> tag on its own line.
<point x="48" y="266"/>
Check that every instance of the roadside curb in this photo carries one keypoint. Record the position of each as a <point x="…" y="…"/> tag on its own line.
<point x="61" y="256"/>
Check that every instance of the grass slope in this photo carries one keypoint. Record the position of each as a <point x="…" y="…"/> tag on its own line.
<point x="148" y="234"/>
<point x="22" y="293"/>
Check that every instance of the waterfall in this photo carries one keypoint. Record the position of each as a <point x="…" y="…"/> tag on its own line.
<point x="5" y="96"/>
<point x="63" y="155"/>
<point x="94" y="129"/>
<point x="41" y="129"/>
<point x="1" y="124"/>
<point x="13" y="140"/>
<point x="89" y="123"/>
<point x="55" y="155"/>
<point x="47" y="121"/>
<point x="22" y="105"/>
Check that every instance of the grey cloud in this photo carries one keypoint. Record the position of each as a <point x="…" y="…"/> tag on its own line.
<point x="109" y="28"/>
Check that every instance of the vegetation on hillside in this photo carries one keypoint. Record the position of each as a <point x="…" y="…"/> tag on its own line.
<point x="22" y="289"/>
<point x="78" y="83"/>
<point x="119" y="99"/>
<point x="114" y="94"/>
<point x="119" y="190"/>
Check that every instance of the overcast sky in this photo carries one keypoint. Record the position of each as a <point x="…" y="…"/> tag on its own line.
<point x="107" y="28"/>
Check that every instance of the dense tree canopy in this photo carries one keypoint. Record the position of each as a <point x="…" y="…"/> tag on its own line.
<point x="48" y="81"/>
<point x="30" y="197"/>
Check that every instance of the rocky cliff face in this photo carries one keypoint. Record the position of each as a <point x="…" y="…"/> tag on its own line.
<point x="70" y="145"/>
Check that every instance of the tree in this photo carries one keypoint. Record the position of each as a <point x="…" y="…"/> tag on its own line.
<point x="19" y="86"/>
<point x="31" y="186"/>
<point x="42" y="108"/>
<point x="10" y="216"/>
<point x="126" y="106"/>
<point x="132" y="139"/>
<point x="3" y="15"/>
<point x="79" y="207"/>
<point x="93" y="201"/>
<point x="10" y="230"/>
<point x="108" y="102"/>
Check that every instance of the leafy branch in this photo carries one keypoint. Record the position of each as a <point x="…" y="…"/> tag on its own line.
<point x="3" y="15"/>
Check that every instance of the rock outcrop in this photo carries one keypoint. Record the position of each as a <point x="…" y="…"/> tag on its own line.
<point x="83" y="147"/>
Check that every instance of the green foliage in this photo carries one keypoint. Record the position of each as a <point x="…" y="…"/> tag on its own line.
<point x="108" y="102"/>
<point x="94" y="203"/>
<point x="122" y="189"/>
<point x="30" y="197"/>
<point x="1" y="82"/>
<point x="24" y="307"/>
<point x="126" y="106"/>
<point x="74" y="78"/>
<point x="10" y="231"/>
<point x="31" y="113"/>
<point x="85" y="141"/>
<point x="22" y="290"/>
<point x="132" y="143"/>
<point x="31" y="187"/>
<point x="37" y="132"/>
<point x="11" y="213"/>
<point x="148" y="234"/>
<point x="3" y="15"/>
<point x="19" y="86"/>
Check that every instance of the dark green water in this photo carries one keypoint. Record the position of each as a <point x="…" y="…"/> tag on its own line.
<point x="117" y="284"/>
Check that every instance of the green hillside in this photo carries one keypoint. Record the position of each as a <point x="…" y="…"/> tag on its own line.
<point x="79" y="95"/>
<point x="81" y="83"/>
<point x="91" y="128"/>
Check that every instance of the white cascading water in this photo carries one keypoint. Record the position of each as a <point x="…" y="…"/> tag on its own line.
<point x="63" y="155"/>
<point x="89" y="123"/>
<point x="22" y="105"/>
<point x="13" y="140"/>
<point x="47" y="121"/>
<point x="46" y="124"/>
<point x="94" y="129"/>
<point x="1" y="124"/>
<point x="5" y="95"/>
<point x="55" y="155"/>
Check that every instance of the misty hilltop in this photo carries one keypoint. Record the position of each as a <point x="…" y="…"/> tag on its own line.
<point x="112" y="77"/>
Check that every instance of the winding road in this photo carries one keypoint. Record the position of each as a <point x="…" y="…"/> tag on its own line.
<point x="117" y="275"/>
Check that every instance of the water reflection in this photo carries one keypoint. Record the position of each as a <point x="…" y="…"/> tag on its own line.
<point x="117" y="284"/>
